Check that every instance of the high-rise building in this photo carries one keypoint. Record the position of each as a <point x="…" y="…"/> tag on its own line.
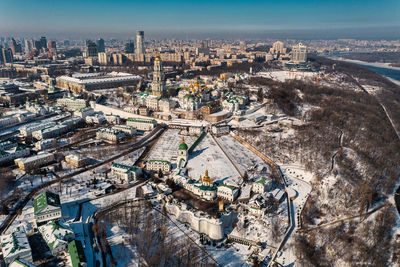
<point x="43" y="42"/>
<point x="1" y="54"/>
<point x="140" y="42"/>
<point x="278" y="47"/>
<point x="221" y="53"/>
<point x="129" y="47"/>
<point x="28" y="46"/>
<point x="158" y="84"/>
<point x="104" y="59"/>
<point x="15" y="47"/>
<point x="299" y="53"/>
<point x="100" y="45"/>
<point x="242" y="45"/>
<point x="7" y="55"/>
<point x="52" y="46"/>
<point x="91" y="49"/>
<point x="38" y="45"/>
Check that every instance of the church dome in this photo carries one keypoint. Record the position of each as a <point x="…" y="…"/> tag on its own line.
<point x="183" y="145"/>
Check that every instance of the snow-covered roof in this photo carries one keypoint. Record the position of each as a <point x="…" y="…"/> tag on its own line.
<point x="55" y="233"/>
<point x="15" y="242"/>
<point x="20" y="263"/>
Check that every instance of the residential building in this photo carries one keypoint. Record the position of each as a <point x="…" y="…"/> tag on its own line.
<point x="47" y="207"/>
<point x="196" y="130"/>
<point x="140" y="42"/>
<point x="165" y="105"/>
<point x="125" y="173"/>
<point x="33" y="162"/>
<point x="227" y="192"/>
<point x="113" y="119"/>
<point x="71" y="103"/>
<point x="95" y="119"/>
<point x="57" y="235"/>
<point x="110" y="135"/>
<point x="155" y="165"/>
<point x="262" y="185"/>
<point x="12" y="153"/>
<point x="103" y="58"/>
<point x="220" y="129"/>
<point x="76" y="160"/>
<point x="299" y="53"/>
<point x="27" y="131"/>
<point x="100" y="45"/>
<point x="129" y="130"/>
<point x="84" y="112"/>
<point x="15" y="245"/>
<point x="141" y="124"/>
<point x="46" y="144"/>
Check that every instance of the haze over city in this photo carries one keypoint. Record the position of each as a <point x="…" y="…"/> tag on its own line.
<point x="203" y="19"/>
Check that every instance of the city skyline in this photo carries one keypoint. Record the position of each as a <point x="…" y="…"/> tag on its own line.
<point x="197" y="19"/>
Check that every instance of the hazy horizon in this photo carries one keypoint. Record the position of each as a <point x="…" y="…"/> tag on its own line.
<point x="307" y="19"/>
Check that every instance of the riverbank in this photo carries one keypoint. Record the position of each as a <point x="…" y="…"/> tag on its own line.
<point x="372" y="64"/>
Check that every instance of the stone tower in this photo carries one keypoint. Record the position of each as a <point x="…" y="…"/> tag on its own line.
<point x="158" y="84"/>
<point x="182" y="154"/>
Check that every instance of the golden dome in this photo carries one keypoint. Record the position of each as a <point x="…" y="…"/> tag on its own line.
<point x="158" y="58"/>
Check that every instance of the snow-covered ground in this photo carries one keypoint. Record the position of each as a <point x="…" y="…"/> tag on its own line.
<point x="208" y="155"/>
<point x="298" y="179"/>
<point x="244" y="158"/>
<point x="283" y="75"/>
<point x="166" y="147"/>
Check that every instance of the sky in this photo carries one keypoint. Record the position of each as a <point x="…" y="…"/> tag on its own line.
<point x="195" y="17"/>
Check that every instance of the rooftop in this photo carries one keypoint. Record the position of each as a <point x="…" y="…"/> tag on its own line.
<point x="44" y="199"/>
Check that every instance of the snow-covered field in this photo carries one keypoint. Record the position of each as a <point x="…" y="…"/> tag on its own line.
<point x="208" y="155"/>
<point x="283" y="75"/>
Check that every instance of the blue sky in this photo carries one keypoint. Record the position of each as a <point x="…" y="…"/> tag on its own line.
<point x="124" y="17"/>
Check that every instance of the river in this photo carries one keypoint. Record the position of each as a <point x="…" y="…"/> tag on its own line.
<point x="391" y="73"/>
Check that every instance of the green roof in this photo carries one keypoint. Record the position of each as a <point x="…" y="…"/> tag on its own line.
<point x="21" y="147"/>
<point x="183" y="146"/>
<point x="142" y="120"/>
<point x="44" y="199"/>
<point x="206" y="188"/>
<point x="261" y="180"/>
<point x="126" y="167"/>
<point x="76" y="252"/>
